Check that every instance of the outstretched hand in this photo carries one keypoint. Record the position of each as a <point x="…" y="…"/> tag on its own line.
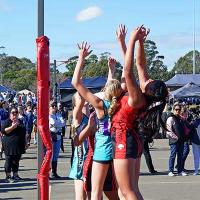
<point x="144" y="33"/>
<point x="111" y="64"/>
<point x="121" y="32"/>
<point x="84" y="50"/>
<point x="140" y="33"/>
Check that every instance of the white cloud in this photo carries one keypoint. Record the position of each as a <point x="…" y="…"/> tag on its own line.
<point x="89" y="13"/>
<point x="4" y="6"/>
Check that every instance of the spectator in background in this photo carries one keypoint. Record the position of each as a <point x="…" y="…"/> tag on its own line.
<point x="15" y="100"/>
<point x="166" y="113"/>
<point x="13" y="143"/>
<point x="195" y="138"/>
<point x="24" y="99"/>
<point x="35" y="125"/>
<point x="22" y="116"/>
<point x="56" y="123"/>
<point x="34" y="99"/>
<point x="4" y="110"/>
<point x="9" y="97"/>
<point x="64" y="113"/>
<point x="19" y="99"/>
<point x="186" y="149"/>
<point x="30" y="116"/>
<point x="70" y="120"/>
<point x="176" y="136"/>
<point x="29" y="98"/>
<point x="4" y="115"/>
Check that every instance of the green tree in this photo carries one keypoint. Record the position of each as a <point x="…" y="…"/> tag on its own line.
<point x="93" y="66"/>
<point x="70" y="66"/>
<point x="184" y="65"/>
<point x="155" y="62"/>
<point x="21" y="79"/>
<point x="18" y="73"/>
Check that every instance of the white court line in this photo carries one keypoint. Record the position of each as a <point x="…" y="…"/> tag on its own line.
<point x="170" y="182"/>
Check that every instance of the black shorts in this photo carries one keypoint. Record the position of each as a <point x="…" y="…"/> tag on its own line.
<point x="126" y="144"/>
<point x="109" y="184"/>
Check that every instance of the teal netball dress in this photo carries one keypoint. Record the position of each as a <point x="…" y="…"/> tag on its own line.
<point x="79" y="154"/>
<point x="103" y="143"/>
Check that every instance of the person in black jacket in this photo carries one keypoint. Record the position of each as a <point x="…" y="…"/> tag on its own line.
<point x="175" y="127"/>
<point x="13" y="142"/>
<point x="195" y="138"/>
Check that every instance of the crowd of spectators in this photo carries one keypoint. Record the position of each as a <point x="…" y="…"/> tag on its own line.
<point x="18" y="117"/>
<point x="18" y="125"/>
<point x="182" y="129"/>
<point x="182" y="120"/>
<point x="17" y="120"/>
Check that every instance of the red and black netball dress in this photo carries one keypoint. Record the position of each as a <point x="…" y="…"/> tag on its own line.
<point x="126" y="141"/>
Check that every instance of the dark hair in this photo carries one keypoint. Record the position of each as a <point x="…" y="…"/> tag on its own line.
<point x="158" y="91"/>
<point x="53" y="103"/>
<point x="2" y="103"/>
<point x="156" y="94"/>
<point x="151" y="120"/>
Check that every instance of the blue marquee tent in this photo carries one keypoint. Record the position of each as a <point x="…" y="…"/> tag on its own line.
<point x="188" y="90"/>
<point x="4" y="88"/>
<point x="180" y="80"/>
<point x="94" y="82"/>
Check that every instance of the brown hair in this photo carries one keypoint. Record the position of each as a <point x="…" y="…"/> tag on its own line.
<point x="113" y="91"/>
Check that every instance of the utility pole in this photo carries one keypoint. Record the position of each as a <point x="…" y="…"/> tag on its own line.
<point x="1" y="67"/>
<point x="194" y="38"/>
<point x="55" y="85"/>
<point x="40" y="33"/>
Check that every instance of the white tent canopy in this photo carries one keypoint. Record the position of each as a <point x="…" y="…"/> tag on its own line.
<point x="26" y="92"/>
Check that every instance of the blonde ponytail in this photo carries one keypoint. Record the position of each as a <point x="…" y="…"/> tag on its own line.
<point x="113" y="106"/>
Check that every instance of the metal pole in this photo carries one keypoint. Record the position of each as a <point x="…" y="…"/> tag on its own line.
<point x="54" y="82"/>
<point x="194" y="57"/>
<point x="40" y="17"/>
<point x="1" y="67"/>
<point x="40" y="33"/>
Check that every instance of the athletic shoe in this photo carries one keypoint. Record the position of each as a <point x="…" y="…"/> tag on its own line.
<point x="154" y="172"/>
<point x="195" y="174"/>
<point x="9" y="179"/>
<point x="182" y="174"/>
<point x="55" y="176"/>
<point x="171" y="174"/>
<point x="16" y="178"/>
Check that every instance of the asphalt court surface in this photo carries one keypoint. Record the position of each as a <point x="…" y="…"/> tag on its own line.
<point x="153" y="187"/>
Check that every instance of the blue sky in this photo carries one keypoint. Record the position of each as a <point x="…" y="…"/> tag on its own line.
<point x="70" y="21"/>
